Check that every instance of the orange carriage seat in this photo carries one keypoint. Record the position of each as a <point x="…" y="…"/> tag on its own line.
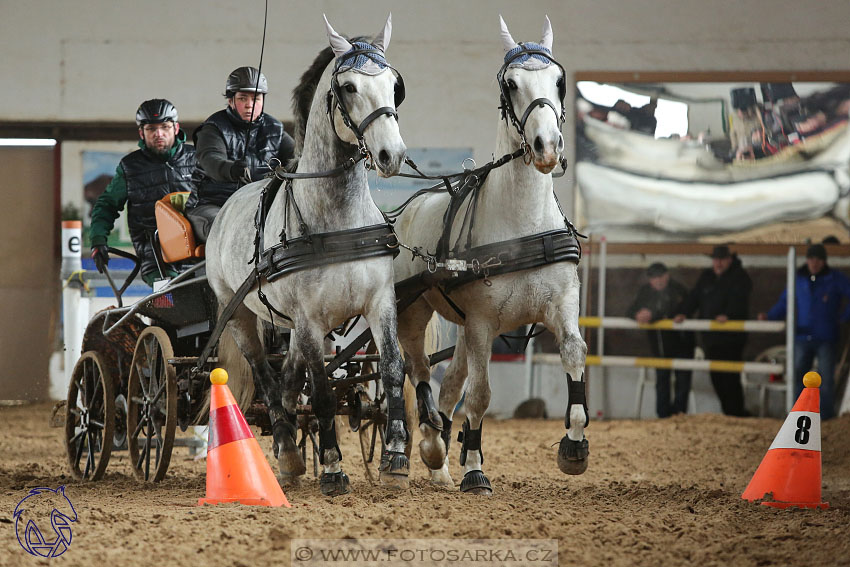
<point x="176" y="239"/>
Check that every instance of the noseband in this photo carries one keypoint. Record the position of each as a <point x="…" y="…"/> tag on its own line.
<point x="507" y="106"/>
<point x="335" y="98"/>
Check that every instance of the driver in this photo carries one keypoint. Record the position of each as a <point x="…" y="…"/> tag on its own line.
<point x="234" y="147"/>
<point x="163" y="164"/>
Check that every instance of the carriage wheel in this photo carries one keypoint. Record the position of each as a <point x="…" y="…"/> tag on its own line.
<point x="89" y="417"/>
<point x="372" y="430"/>
<point x="369" y="432"/>
<point x="119" y="435"/>
<point x="151" y="405"/>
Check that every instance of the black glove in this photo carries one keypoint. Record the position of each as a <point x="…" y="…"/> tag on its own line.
<point x="100" y="255"/>
<point x="240" y="172"/>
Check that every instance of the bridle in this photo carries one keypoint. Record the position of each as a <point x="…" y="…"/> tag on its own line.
<point x="507" y="107"/>
<point x="335" y="99"/>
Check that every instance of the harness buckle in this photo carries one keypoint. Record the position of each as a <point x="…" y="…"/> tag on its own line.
<point x="431" y="264"/>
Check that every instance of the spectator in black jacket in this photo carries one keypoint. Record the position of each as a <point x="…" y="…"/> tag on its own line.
<point x="659" y="299"/>
<point x="722" y="293"/>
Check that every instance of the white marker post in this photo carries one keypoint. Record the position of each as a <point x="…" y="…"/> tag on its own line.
<point x="75" y="308"/>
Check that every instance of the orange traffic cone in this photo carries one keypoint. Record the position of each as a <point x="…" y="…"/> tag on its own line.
<point x="237" y="470"/>
<point x="790" y="473"/>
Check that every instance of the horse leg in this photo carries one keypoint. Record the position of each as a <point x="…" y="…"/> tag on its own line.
<point x="451" y="391"/>
<point x="412" y="324"/>
<point x="563" y="321"/>
<point x="243" y="328"/>
<point x="381" y="315"/>
<point x="333" y="481"/>
<point x="289" y="460"/>
<point x="479" y="340"/>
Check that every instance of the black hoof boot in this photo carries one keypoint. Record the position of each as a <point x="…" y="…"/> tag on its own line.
<point x="394" y="471"/>
<point x="572" y="456"/>
<point x="334" y="484"/>
<point x="474" y="482"/>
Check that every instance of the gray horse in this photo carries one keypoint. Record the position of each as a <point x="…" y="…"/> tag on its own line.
<point x="516" y="201"/>
<point x="345" y="111"/>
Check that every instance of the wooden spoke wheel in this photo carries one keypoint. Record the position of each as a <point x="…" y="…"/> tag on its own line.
<point x="89" y="417"/>
<point x="371" y="398"/>
<point x="151" y="405"/>
<point x="372" y="429"/>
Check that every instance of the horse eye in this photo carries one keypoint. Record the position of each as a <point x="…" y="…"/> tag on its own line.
<point x="511" y="84"/>
<point x="560" y="82"/>
<point x="349" y="88"/>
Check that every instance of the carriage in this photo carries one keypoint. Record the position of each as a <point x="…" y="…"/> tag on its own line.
<point x="144" y="370"/>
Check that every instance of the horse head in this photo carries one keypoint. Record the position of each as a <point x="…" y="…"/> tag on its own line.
<point x="365" y="94"/>
<point x="533" y="86"/>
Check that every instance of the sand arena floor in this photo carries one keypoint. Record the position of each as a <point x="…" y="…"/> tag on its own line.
<point x="656" y="493"/>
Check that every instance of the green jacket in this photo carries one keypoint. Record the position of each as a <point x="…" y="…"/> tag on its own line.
<point x="111" y="202"/>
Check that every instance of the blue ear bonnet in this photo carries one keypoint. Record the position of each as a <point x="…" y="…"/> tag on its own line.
<point x="374" y="55"/>
<point x="522" y="59"/>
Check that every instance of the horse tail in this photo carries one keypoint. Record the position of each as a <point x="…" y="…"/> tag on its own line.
<point x="434" y="332"/>
<point x="240" y="375"/>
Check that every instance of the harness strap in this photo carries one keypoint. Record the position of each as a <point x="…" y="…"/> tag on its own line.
<point x="536" y="103"/>
<point x="524" y="253"/>
<point x="451" y="303"/>
<point x="384" y="110"/>
<point x="319" y="249"/>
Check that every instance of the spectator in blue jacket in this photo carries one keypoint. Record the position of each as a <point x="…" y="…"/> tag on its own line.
<point x="823" y="302"/>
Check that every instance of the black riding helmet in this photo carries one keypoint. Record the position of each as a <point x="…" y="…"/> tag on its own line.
<point x="244" y="79"/>
<point x="154" y="111"/>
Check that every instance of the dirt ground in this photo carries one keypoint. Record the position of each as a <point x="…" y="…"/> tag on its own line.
<point x="657" y="492"/>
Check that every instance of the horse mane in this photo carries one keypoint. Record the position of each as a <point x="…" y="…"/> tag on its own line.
<point x="302" y="95"/>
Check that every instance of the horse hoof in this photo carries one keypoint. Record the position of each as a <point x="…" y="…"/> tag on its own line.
<point x="572" y="456"/>
<point x="334" y="484"/>
<point x="474" y="482"/>
<point x="441" y="477"/>
<point x="394" y="470"/>
<point x="290" y="464"/>
<point x="288" y="480"/>
<point x="394" y="481"/>
<point x="432" y="452"/>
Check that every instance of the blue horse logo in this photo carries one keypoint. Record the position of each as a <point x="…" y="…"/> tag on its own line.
<point x="39" y="503"/>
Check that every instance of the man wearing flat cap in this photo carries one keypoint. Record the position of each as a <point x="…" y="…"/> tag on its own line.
<point x="822" y="299"/>
<point x="722" y="293"/>
<point x="658" y="299"/>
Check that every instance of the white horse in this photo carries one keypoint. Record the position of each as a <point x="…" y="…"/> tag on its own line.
<point x="345" y="112"/>
<point x="516" y="200"/>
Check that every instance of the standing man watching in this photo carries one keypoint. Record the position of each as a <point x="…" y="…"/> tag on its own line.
<point x="820" y="293"/>
<point x="658" y="299"/>
<point x="722" y="292"/>
<point x="234" y="147"/>
<point x="163" y="164"/>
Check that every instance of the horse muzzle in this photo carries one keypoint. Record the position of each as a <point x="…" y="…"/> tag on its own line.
<point x="545" y="163"/>
<point x="389" y="162"/>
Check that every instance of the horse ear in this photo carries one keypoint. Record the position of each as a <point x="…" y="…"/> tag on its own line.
<point x="382" y="40"/>
<point x="339" y="44"/>
<point x="508" y="42"/>
<point x="547" y="34"/>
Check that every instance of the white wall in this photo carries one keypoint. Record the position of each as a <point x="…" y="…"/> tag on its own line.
<point x="96" y="60"/>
